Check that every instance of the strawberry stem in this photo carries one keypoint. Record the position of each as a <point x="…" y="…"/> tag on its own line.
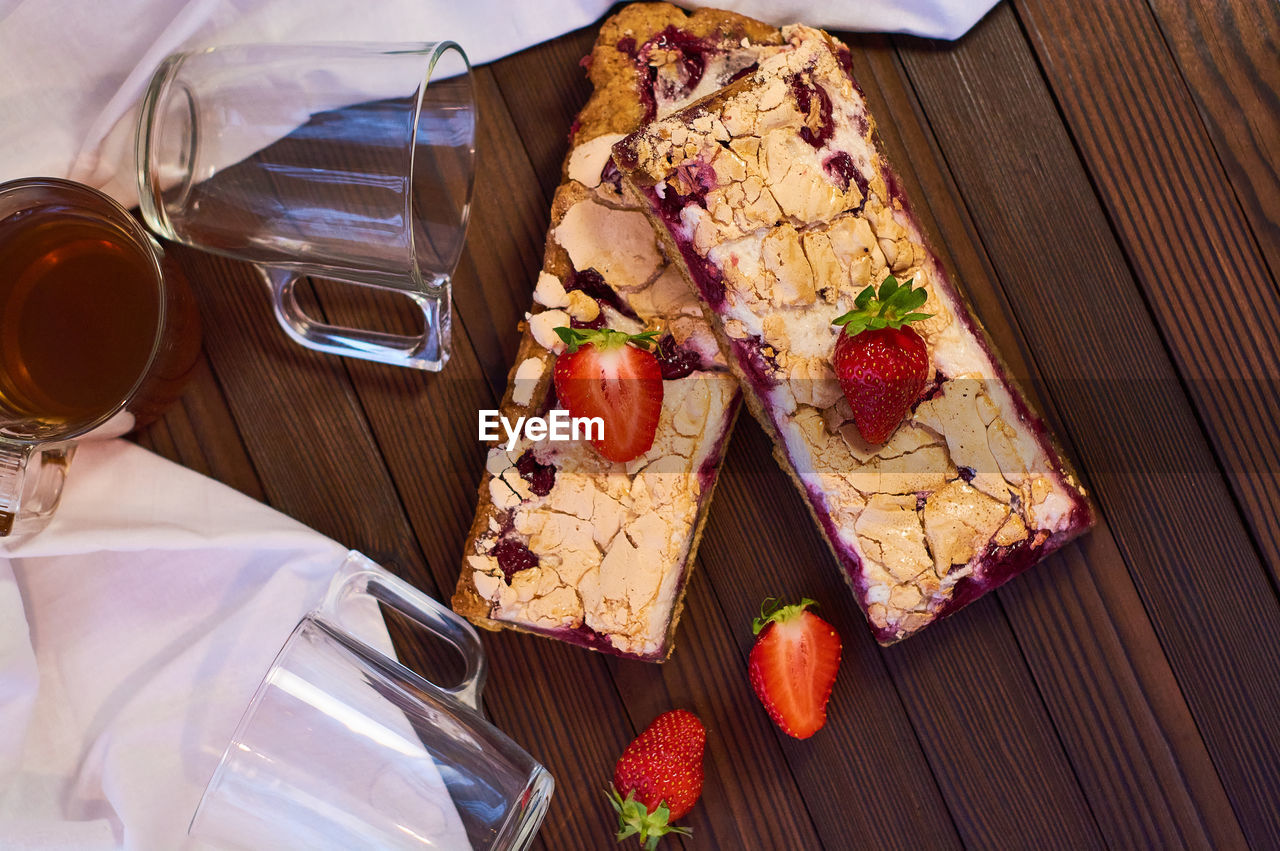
<point x="772" y="609"/>
<point x="894" y="306"/>
<point x="605" y="338"/>
<point x="635" y="819"/>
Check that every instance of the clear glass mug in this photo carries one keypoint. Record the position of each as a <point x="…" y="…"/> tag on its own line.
<point x="342" y="747"/>
<point x="97" y="336"/>
<point x="350" y="162"/>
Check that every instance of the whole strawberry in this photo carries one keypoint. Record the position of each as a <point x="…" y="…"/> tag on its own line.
<point x="658" y="778"/>
<point x="880" y="361"/>
<point x="793" y="666"/>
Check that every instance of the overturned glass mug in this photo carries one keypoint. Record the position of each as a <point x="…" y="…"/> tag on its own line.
<point x="344" y="748"/>
<point x="349" y="162"/>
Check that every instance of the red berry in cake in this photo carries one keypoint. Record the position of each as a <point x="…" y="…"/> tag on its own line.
<point x="513" y="557"/>
<point x="880" y="361"/>
<point x="815" y="106"/>
<point x="658" y="778"/>
<point x="675" y="361"/>
<point x="541" y="477"/>
<point x="612" y="375"/>
<point x="793" y="666"/>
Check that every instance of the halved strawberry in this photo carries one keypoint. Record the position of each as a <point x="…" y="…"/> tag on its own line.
<point x="793" y="666"/>
<point x="612" y="375"/>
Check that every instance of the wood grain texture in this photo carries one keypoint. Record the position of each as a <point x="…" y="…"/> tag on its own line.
<point x="1226" y="53"/>
<point x="545" y="112"/>
<point x="557" y="701"/>
<point x="1119" y="394"/>
<point x="200" y="432"/>
<point x="509" y="216"/>
<point x="298" y="416"/>
<point x="1191" y="251"/>
<point x="1115" y="696"/>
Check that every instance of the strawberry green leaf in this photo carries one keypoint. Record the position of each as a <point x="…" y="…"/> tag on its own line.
<point x="772" y="609"/>
<point x="635" y="819"/>
<point x="570" y="336"/>
<point x="893" y="306"/>
<point x="604" y="338"/>
<point x="917" y="300"/>
<point x="863" y="299"/>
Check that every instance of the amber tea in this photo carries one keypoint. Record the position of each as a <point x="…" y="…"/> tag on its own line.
<point x="80" y="305"/>
<point x="98" y="334"/>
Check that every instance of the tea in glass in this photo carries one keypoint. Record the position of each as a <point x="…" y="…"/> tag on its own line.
<point x="79" y="311"/>
<point x="97" y="336"/>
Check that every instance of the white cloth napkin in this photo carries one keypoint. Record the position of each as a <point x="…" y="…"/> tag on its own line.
<point x="133" y="632"/>
<point x="74" y="71"/>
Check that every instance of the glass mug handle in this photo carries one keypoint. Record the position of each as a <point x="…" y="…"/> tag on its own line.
<point x="31" y="479"/>
<point x="428" y="350"/>
<point x="361" y="577"/>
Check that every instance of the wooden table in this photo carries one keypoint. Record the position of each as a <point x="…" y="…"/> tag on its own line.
<point x="1103" y="182"/>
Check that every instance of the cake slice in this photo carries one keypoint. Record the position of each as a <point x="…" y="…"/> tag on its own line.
<point x="565" y="543"/>
<point x="782" y="209"/>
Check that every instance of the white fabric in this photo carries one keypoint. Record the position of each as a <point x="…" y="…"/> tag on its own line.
<point x="133" y="632"/>
<point x="73" y="71"/>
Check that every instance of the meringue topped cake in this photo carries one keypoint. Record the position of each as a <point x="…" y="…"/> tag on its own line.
<point x="566" y="543"/>
<point x="786" y="217"/>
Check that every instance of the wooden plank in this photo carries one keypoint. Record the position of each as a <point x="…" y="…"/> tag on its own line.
<point x="544" y="112"/>
<point x="1122" y="735"/>
<point x="509" y="223"/>
<point x="199" y="432"/>
<point x="1169" y="200"/>
<point x="297" y="415"/>
<point x="1226" y="53"/>
<point x="1119" y="397"/>
<point x="1131" y="703"/>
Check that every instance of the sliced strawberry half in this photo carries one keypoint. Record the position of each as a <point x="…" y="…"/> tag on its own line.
<point x="793" y="666"/>
<point x="612" y="375"/>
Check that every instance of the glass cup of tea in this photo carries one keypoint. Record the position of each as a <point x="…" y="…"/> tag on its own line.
<point x="348" y="162"/>
<point x="343" y="747"/>
<point x="94" y="338"/>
